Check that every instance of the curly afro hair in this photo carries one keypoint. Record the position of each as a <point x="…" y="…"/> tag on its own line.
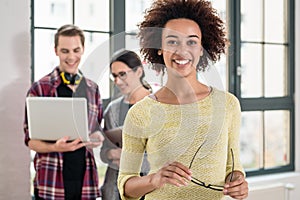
<point x="214" y="39"/>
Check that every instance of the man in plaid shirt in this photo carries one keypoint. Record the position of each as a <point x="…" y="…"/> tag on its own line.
<point x="67" y="169"/>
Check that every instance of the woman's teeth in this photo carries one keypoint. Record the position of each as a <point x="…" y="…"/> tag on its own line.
<point x="182" y="62"/>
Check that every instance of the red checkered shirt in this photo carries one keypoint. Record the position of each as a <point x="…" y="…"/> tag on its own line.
<point x="49" y="166"/>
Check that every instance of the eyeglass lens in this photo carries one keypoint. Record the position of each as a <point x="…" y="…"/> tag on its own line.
<point x="120" y="75"/>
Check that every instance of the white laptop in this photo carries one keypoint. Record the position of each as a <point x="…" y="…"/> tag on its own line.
<point x="51" y="118"/>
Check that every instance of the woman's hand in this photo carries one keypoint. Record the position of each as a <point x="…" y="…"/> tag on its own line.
<point x="114" y="155"/>
<point x="173" y="173"/>
<point x="237" y="188"/>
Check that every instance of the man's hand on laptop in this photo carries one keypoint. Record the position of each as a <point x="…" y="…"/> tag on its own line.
<point x="62" y="145"/>
<point x="96" y="139"/>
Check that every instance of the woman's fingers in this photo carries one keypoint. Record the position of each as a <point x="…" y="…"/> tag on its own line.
<point x="237" y="189"/>
<point x="173" y="173"/>
<point x="180" y="170"/>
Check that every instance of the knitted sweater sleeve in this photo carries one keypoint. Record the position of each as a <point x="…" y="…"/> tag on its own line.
<point x="234" y="115"/>
<point x="133" y="149"/>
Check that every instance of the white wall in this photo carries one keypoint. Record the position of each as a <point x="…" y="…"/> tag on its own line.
<point x="297" y="92"/>
<point x="15" y="80"/>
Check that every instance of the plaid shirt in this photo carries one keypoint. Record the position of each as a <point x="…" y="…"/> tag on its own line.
<point x="49" y="166"/>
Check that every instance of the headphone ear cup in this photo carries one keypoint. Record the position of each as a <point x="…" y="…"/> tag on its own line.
<point x="65" y="78"/>
<point x="68" y="79"/>
<point x="77" y="78"/>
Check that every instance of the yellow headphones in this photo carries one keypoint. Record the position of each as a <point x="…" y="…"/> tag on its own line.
<point x="69" y="79"/>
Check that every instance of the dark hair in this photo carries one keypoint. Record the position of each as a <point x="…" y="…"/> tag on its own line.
<point x="69" y="30"/>
<point x="133" y="61"/>
<point x="214" y="40"/>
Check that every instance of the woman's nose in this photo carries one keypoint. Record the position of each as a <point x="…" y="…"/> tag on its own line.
<point x="182" y="48"/>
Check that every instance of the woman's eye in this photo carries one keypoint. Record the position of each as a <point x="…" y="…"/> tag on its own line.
<point x="172" y="42"/>
<point x="191" y="42"/>
<point x="122" y="74"/>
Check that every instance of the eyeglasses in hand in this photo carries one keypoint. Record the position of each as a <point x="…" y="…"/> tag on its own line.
<point x="211" y="186"/>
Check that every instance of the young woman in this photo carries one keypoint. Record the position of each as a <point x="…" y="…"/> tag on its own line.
<point x="189" y="130"/>
<point x="128" y="75"/>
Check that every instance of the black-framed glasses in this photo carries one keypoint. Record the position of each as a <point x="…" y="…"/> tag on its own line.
<point x="121" y="75"/>
<point x="211" y="186"/>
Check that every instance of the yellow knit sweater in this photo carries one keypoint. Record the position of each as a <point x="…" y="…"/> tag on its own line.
<point x="174" y="133"/>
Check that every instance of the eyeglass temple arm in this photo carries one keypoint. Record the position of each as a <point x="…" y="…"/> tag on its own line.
<point x="232" y="157"/>
<point x="196" y="154"/>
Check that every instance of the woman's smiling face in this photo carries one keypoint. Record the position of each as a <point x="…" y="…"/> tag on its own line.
<point x="181" y="46"/>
